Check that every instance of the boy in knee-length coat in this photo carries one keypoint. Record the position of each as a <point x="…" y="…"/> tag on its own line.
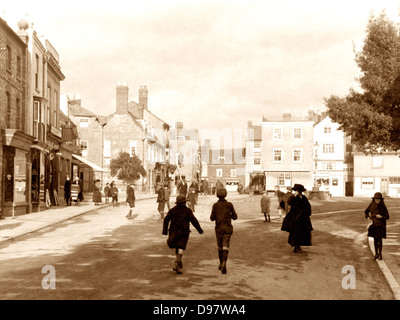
<point x="176" y="226"/>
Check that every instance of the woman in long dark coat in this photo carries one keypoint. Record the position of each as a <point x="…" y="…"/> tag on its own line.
<point x="176" y="226"/>
<point x="97" y="193"/>
<point x="378" y="214"/>
<point x="297" y="222"/>
<point x="67" y="190"/>
<point x="130" y="199"/>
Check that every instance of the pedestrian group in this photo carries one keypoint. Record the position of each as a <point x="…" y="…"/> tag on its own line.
<point x="295" y="206"/>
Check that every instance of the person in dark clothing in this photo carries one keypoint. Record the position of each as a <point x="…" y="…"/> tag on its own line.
<point x="281" y="202"/>
<point x="286" y="197"/>
<point x="222" y="213"/>
<point x="161" y="202"/>
<point x="67" y="190"/>
<point x="378" y="214"/>
<point x="182" y="186"/>
<point x="297" y="222"/>
<point x="176" y="226"/>
<point x="130" y="199"/>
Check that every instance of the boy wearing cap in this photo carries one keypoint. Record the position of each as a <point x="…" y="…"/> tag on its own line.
<point x="178" y="219"/>
<point x="378" y="214"/>
<point x="222" y="213"/>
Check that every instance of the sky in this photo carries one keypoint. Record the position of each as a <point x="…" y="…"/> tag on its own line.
<point x="209" y="64"/>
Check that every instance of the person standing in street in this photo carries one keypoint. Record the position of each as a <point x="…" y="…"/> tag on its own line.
<point x="176" y="226"/>
<point x="182" y="187"/>
<point x="192" y="198"/>
<point x="107" y="192"/>
<point x="97" y="193"/>
<point x="378" y="214"/>
<point x="266" y="206"/>
<point x="297" y="222"/>
<point x="67" y="190"/>
<point x="223" y="213"/>
<point x="161" y="202"/>
<point x="167" y="194"/>
<point x="130" y="199"/>
<point x="114" y="194"/>
<point x="281" y="202"/>
<point x="286" y="197"/>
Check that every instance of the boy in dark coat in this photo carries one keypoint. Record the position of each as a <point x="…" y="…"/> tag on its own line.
<point x="222" y="213"/>
<point x="161" y="202"/>
<point x="378" y="214"/>
<point x="178" y="219"/>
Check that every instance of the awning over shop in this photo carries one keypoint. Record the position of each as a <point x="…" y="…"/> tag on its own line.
<point x="90" y="164"/>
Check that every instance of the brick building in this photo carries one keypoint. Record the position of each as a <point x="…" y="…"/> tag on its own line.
<point x="15" y="140"/>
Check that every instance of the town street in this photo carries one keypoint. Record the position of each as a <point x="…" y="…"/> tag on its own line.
<point x="102" y="255"/>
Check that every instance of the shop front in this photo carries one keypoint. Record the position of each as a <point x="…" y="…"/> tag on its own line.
<point x="16" y="171"/>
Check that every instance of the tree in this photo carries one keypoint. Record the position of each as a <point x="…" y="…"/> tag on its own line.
<point x="372" y="117"/>
<point x="127" y="168"/>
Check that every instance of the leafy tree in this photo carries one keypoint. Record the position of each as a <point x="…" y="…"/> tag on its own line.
<point x="372" y="117"/>
<point x="127" y="168"/>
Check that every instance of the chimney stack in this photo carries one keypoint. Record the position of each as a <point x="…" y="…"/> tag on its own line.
<point x="143" y="96"/>
<point x="122" y="98"/>
<point x="286" y="115"/>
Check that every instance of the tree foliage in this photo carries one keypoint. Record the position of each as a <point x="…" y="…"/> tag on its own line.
<point x="127" y="168"/>
<point x="372" y="116"/>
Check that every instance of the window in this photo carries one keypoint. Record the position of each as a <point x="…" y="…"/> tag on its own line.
<point x="219" y="173"/>
<point x="19" y="67"/>
<point x="18" y="114"/>
<point x="277" y="134"/>
<point x="377" y="162"/>
<point x="8" y="58"/>
<point x="132" y="148"/>
<point x="328" y="166"/>
<point x="277" y="155"/>
<point x="297" y="133"/>
<point x="297" y="155"/>
<point x="84" y="122"/>
<point x="8" y="103"/>
<point x="284" y="179"/>
<point x="84" y="148"/>
<point x="367" y="183"/>
<point x="257" y="146"/>
<point x="328" y="148"/>
<point x="257" y="161"/>
<point x="37" y="72"/>
<point x="327" y="130"/>
<point x="394" y="180"/>
<point x="233" y="173"/>
<point x="36" y="117"/>
<point x="107" y="148"/>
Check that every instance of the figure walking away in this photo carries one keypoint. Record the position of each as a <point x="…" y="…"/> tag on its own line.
<point x="130" y="199"/>
<point x="286" y="197"/>
<point x="298" y="222"/>
<point x="222" y="213"/>
<point x="266" y="206"/>
<point x="176" y="226"/>
<point x="378" y="214"/>
<point x="161" y="202"/>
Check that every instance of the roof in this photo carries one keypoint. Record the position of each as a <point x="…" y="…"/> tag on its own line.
<point x="79" y="111"/>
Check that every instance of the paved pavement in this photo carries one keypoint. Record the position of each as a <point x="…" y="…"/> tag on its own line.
<point x="11" y="228"/>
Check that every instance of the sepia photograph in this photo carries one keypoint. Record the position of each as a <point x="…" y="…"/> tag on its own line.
<point x="200" y="158"/>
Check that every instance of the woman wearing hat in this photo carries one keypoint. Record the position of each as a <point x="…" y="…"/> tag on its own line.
<point x="297" y="222"/>
<point x="222" y="213"/>
<point x="378" y="214"/>
<point x="178" y="219"/>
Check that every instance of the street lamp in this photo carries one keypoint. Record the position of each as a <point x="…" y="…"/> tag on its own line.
<point x="316" y="146"/>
